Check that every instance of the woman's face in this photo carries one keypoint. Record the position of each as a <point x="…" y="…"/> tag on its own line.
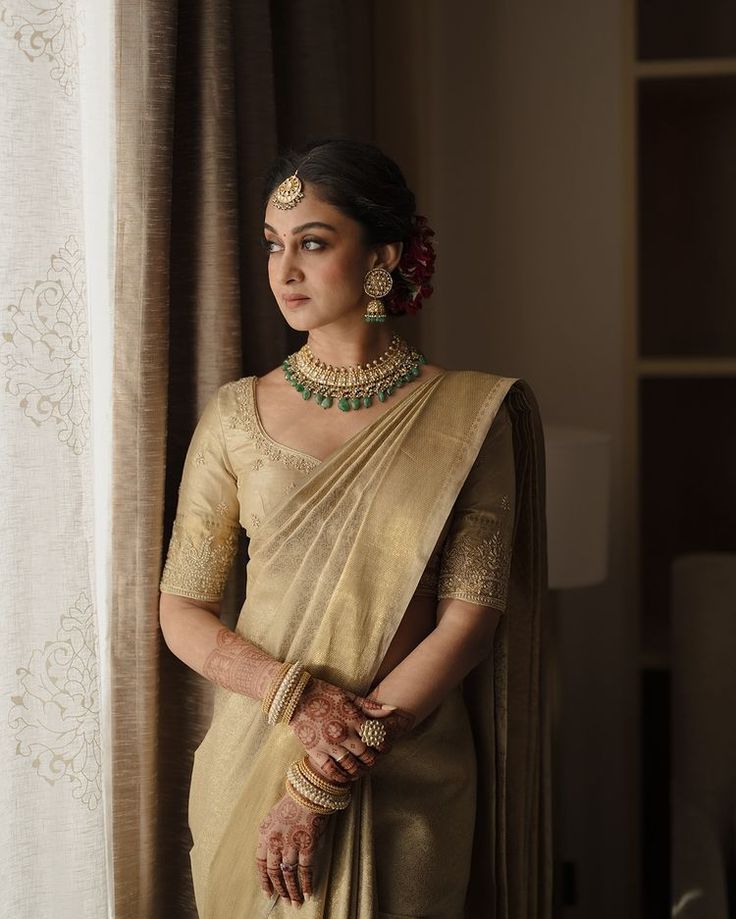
<point x="315" y="252"/>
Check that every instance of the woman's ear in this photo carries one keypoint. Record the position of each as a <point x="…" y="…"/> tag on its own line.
<point x="388" y="255"/>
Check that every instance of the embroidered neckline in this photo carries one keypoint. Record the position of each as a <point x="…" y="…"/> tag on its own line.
<point x="245" y="418"/>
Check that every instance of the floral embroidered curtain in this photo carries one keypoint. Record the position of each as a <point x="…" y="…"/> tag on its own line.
<point x="54" y="238"/>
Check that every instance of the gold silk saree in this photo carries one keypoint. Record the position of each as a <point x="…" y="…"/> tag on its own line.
<point x="454" y="822"/>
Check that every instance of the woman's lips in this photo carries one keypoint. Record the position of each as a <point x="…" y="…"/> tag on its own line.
<point x="293" y="302"/>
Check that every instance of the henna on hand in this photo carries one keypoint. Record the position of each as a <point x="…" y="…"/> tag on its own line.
<point x="326" y="721"/>
<point x="240" y="665"/>
<point x="289" y="833"/>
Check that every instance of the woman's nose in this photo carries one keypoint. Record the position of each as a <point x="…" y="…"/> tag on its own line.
<point x="289" y="266"/>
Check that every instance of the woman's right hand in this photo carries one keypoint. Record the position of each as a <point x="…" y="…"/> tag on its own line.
<point x="326" y="721"/>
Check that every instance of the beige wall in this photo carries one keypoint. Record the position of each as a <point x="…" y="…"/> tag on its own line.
<point x="508" y="120"/>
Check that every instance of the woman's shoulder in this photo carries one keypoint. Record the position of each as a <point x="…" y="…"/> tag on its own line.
<point x="234" y="401"/>
<point x="517" y="394"/>
<point x="481" y="379"/>
<point x="486" y="375"/>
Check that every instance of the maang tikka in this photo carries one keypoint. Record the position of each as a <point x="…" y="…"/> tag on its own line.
<point x="289" y="193"/>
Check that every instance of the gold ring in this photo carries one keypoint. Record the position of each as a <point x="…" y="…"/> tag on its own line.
<point x="338" y="758"/>
<point x="372" y="732"/>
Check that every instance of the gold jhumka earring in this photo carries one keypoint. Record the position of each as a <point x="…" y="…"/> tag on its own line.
<point x="378" y="283"/>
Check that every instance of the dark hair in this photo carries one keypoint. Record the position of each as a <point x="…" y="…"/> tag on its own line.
<point x="368" y="186"/>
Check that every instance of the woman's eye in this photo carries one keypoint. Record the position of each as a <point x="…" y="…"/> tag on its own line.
<point x="311" y="245"/>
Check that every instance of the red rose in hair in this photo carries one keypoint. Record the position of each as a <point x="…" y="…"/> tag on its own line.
<point x="415" y="268"/>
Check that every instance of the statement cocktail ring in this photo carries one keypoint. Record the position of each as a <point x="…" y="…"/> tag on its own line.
<point x="372" y="732"/>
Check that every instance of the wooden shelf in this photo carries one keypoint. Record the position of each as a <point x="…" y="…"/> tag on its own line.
<point x="686" y="367"/>
<point x="685" y="29"/>
<point x="713" y="67"/>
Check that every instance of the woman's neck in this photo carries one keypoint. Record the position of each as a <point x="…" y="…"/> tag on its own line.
<point x="346" y="348"/>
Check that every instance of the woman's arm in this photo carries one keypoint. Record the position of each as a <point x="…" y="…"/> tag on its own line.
<point x="473" y="579"/>
<point x="194" y="633"/>
<point x="463" y="637"/>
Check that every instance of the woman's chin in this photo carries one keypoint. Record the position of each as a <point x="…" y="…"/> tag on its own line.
<point x="300" y="322"/>
<point x="306" y="318"/>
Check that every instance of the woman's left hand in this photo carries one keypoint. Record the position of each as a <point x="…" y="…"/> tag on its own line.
<point x="288" y="836"/>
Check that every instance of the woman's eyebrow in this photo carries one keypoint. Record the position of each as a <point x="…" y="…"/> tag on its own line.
<point x="304" y="226"/>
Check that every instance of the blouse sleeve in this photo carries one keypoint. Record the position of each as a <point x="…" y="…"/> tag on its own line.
<point x="476" y="556"/>
<point x="204" y="537"/>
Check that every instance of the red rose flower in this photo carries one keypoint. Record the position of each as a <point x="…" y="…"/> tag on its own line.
<point x="415" y="268"/>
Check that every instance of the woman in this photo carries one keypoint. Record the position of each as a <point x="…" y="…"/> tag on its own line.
<point x="377" y="747"/>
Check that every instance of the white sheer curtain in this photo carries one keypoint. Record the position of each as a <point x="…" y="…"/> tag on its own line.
<point x="55" y="347"/>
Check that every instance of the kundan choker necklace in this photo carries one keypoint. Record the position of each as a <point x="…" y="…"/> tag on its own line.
<point x="354" y="386"/>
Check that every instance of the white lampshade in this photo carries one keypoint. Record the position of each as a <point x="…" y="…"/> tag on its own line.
<point x="578" y="484"/>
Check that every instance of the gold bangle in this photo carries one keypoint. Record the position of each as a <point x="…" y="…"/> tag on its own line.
<point x="275" y="683"/>
<point x="290" y="707"/>
<point x="335" y="797"/>
<point x="334" y="788"/>
<point x="284" y="692"/>
<point x="318" y="799"/>
<point x="305" y="802"/>
<point x="312" y="793"/>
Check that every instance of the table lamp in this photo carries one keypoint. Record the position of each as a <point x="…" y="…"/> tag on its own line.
<point x="578" y="475"/>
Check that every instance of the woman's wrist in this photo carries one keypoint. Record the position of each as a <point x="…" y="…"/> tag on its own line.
<point x="332" y="776"/>
<point x="283" y="692"/>
<point x="308" y="788"/>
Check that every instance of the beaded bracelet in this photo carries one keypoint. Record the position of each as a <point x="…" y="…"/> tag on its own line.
<point x="290" y="707"/>
<point x="307" y="770"/>
<point x="306" y="803"/>
<point x="314" y="794"/>
<point x="285" y="692"/>
<point x="338" y="798"/>
<point x="275" y="683"/>
<point x="278" y="696"/>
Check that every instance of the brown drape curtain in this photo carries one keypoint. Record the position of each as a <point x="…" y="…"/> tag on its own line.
<point x="207" y="92"/>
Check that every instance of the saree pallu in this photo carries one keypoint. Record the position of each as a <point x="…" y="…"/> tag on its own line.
<point x="463" y="801"/>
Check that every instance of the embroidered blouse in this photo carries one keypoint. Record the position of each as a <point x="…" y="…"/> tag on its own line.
<point x="235" y="473"/>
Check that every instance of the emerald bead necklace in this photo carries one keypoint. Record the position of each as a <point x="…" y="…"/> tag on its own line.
<point x="355" y="386"/>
